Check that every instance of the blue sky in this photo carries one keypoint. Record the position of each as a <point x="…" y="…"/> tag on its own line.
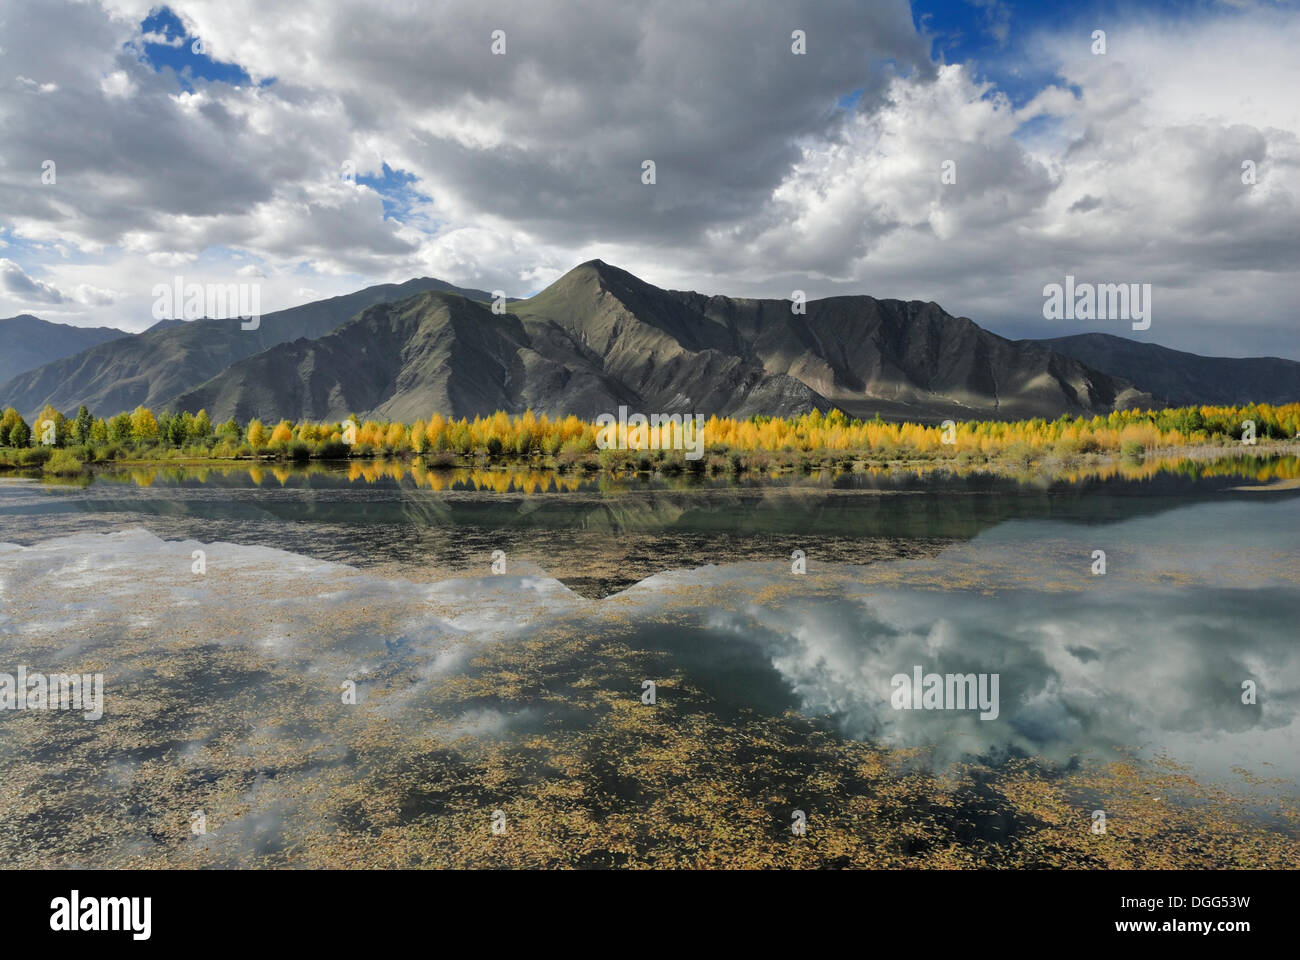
<point x="184" y="53"/>
<point x="396" y="188"/>
<point x="993" y="36"/>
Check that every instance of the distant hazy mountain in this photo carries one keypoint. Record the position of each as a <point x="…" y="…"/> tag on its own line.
<point x="27" y="342"/>
<point x="1178" y="379"/>
<point x="173" y="357"/>
<point x="600" y="337"/>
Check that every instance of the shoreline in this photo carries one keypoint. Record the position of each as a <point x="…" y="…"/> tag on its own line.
<point x="759" y="464"/>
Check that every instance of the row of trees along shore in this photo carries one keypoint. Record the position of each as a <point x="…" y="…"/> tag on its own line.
<point x="142" y="433"/>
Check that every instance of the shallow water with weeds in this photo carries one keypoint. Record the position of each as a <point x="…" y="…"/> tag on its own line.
<point x="522" y="691"/>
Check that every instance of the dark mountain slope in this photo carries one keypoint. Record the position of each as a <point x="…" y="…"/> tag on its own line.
<point x="910" y="359"/>
<point x="667" y="356"/>
<point x="27" y="342"/>
<point x="1179" y="379"/>
<point x="404" y="359"/>
<point x="599" y="338"/>
<point x="439" y="352"/>
<point x="172" y="358"/>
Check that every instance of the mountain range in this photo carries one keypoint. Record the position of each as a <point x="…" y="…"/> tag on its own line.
<point x="1179" y="379"/>
<point x="31" y="342"/>
<point x="153" y="367"/>
<point x="599" y="338"/>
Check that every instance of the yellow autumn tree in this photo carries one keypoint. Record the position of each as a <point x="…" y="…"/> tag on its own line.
<point x="282" y="435"/>
<point x="144" y="426"/>
<point x="257" y="436"/>
<point x="49" y="427"/>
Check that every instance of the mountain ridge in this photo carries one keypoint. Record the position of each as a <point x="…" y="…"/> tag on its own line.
<point x="599" y="337"/>
<point x="1178" y="378"/>
<point x="152" y="367"/>
<point x="31" y="342"/>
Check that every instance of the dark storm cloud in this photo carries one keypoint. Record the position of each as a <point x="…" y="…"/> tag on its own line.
<point x="586" y="92"/>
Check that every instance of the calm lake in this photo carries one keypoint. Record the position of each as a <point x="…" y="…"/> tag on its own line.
<point x="296" y="654"/>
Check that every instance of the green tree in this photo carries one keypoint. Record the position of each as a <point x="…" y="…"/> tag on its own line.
<point x="200" y="428"/>
<point x="20" y="435"/>
<point x="119" y="428"/>
<point x="99" y="432"/>
<point x="81" y="428"/>
<point x="7" y="421"/>
<point x="179" y="430"/>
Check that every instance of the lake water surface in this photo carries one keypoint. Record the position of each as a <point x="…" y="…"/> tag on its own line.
<point x="223" y="685"/>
